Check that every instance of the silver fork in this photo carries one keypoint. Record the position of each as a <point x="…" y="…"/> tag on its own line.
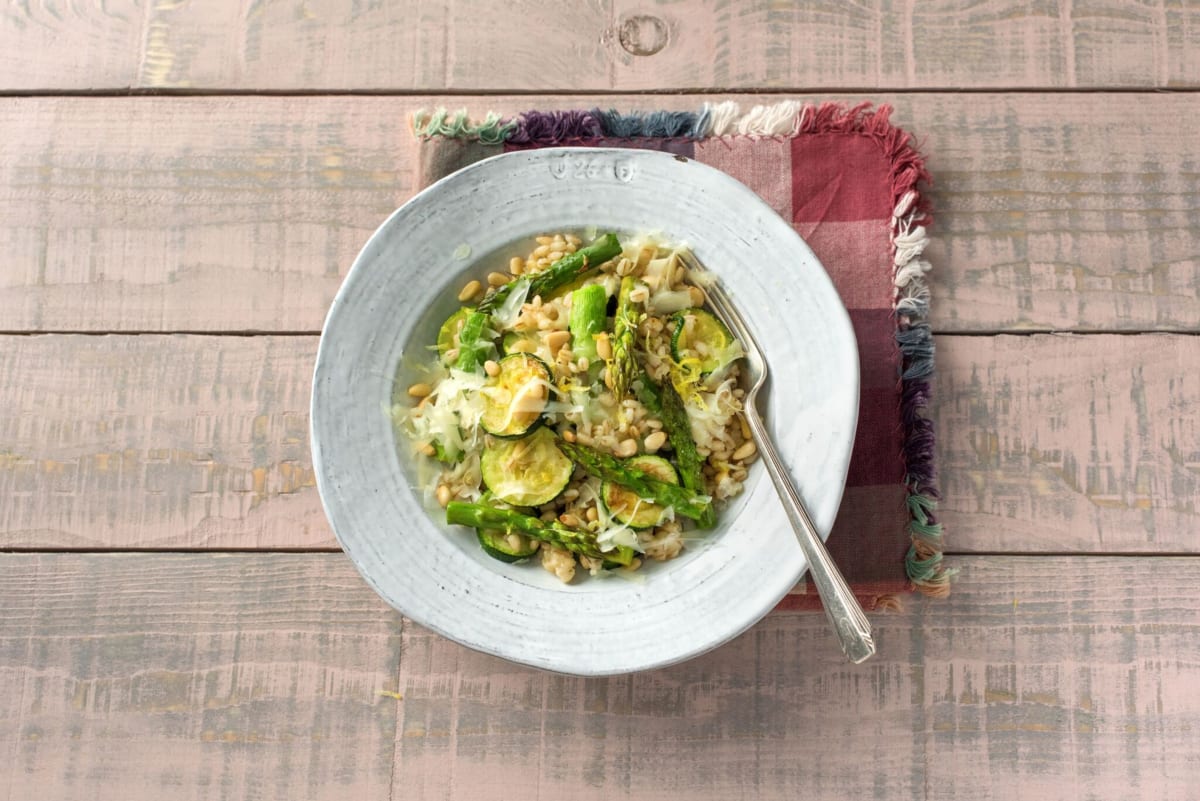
<point x="842" y="608"/>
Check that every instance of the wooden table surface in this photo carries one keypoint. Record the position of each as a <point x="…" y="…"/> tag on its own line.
<point x="182" y="187"/>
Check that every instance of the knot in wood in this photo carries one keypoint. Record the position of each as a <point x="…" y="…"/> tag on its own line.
<point x="643" y="34"/>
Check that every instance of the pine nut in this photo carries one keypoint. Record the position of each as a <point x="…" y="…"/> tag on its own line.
<point x="556" y="339"/>
<point x="452" y="355"/>
<point x="747" y="448"/>
<point x="584" y="363"/>
<point x="491" y="368"/>
<point x="697" y="295"/>
<point x="603" y="347"/>
<point x="554" y="255"/>
<point x="627" y="448"/>
<point x="584" y="439"/>
<point x="541" y="251"/>
<point x="593" y="514"/>
<point x="639" y="295"/>
<point x="516" y="265"/>
<point x="498" y="279"/>
<point x="544" y="240"/>
<point x="746" y="432"/>
<point x="469" y="291"/>
<point x="419" y="390"/>
<point x="655" y="441"/>
<point x="428" y="449"/>
<point x="443" y="495"/>
<point x="568" y="435"/>
<point x="653" y="423"/>
<point x="569" y="520"/>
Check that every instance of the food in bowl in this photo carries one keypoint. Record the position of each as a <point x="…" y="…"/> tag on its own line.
<point x="584" y="410"/>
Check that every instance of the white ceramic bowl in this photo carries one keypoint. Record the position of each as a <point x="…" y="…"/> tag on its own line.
<point x="385" y="317"/>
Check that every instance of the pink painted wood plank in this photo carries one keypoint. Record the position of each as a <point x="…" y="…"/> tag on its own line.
<point x="157" y="442"/>
<point x="1054" y="212"/>
<point x="246" y="211"/>
<point x="1063" y="443"/>
<point x="194" y="677"/>
<point x="1051" y="677"/>
<point x="1047" y="443"/>
<point x="198" y="676"/>
<point x="71" y="46"/>
<point x="614" y="45"/>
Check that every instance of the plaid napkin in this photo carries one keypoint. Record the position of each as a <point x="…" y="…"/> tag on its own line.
<point x="848" y="182"/>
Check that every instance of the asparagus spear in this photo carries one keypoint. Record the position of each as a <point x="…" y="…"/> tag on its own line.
<point x="479" y="515"/>
<point x="622" y="367"/>
<point x="589" y="305"/>
<point x="562" y="272"/>
<point x="679" y="432"/>
<point x="685" y="501"/>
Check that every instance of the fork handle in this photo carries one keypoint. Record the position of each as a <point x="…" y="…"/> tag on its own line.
<point x="841" y="607"/>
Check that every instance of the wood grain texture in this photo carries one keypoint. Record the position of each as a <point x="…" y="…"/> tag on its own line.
<point x="171" y="217"/>
<point x="1047" y="443"/>
<point x="205" y="677"/>
<point x="606" y="45"/>
<point x="1062" y="443"/>
<point x="157" y="442"/>
<point x="1047" y="678"/>
<point x="194" y="677"/>
<point x="58" y="44"/>
<point x="1054" y="212"/>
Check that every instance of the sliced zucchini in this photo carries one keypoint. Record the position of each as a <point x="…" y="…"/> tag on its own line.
<point x="526" y="472"/>
<point x="516" y="396"/>
<point x="625" y="505"/>
<point x="704" y="339"/>
<point x="506" y="547"/>
<point x="448" y="333"/>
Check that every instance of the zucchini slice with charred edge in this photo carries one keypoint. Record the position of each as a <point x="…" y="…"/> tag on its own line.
<point x="500" y="545"/>
<point x="706" y="340"/>
<point x="625" y="505"/>
<point x="526" y="472"/>
<point x="516" y="396"/>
